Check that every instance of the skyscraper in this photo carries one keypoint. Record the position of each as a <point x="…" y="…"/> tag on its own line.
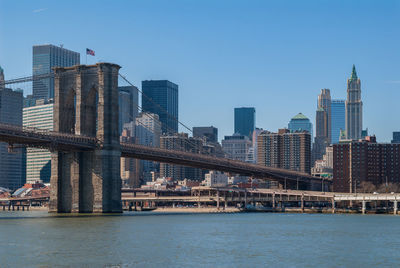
<point x="148" y="132"/>
<point x="322" y="124"/>
<point x="245" y="118"/>
<point x="210" y="134"/>
<point x="236" y="146"/>
<point x="338" y="119"/>
<point x="38" y="161"/>
<point x="300" y="122"/>
<point x="2" y="78"/>
<point x="46" y="57"/>
<point x="353" y="107"/>
<point x="12" y="166"/>
<point x="180" y="142"/>
<point x="324" y="102"/>
<point x="161" y="97"/>
<point x="128" y="105"/>
<point x="396" y="137"/>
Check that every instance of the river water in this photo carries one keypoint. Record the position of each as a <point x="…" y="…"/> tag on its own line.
<point x="145" y="239"/>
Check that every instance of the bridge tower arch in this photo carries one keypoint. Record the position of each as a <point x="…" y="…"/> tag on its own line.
<point x="86" y="103"/>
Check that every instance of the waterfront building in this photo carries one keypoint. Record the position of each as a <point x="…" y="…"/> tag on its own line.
<point x="285" y="149"/>
<point x="338" y="119"/>
<point x="180" y="142"/>
<point x="358" y="162"/>
<point x="245" y="119"/>
<point x="148" y="132"/>
<point x="161" y="97"/>
<point x="396" y="137"/>
<point x="45" y="57"/>
<point x="38" y="161"/>
<point x="128" y="105"/>
<point x="209" y="134"/>
<point x="236" y="146"/>
<point x="354" y="106"/>
<point x="215" y="179"/>
<point x="300" y="122"/>
<point x="12" y="166"/>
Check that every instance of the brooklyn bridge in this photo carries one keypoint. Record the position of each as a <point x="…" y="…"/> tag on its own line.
<point x="86" y="148"/>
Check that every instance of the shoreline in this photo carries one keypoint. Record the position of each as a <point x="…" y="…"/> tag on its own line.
<point x="237" y="210"/>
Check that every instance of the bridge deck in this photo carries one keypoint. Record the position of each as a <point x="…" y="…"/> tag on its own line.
<point x="68" y="142"/>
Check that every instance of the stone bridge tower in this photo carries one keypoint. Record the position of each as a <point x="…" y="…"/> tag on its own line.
<point x="86" y="103"/>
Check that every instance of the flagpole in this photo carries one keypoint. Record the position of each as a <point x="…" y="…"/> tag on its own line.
<point x="86" y="57"/>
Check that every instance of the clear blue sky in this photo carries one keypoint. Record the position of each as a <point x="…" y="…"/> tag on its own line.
<point x="273" y="55"/>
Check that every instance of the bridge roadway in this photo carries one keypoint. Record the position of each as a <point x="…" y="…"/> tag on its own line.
<point x="31" y="137"/>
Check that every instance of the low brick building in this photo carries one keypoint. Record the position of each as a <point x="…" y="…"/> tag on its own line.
<point x="355" y="162"/>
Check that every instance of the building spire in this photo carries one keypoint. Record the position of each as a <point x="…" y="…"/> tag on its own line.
<point x="353" y="73"/>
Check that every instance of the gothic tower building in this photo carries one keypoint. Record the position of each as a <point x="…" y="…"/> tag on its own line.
<point x="353" y="107"/>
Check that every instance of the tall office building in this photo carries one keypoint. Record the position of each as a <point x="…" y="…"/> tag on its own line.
<point x="148" y="132"/>
<point x="285" y="149"/>
<point x="245" y="120"/>
<point x="300" y="122"/>
<point x="396" y="137"/>
<point x="236" y="146"/>
<point x="45" y="57"/>
<point x="12" y="166"/>
<point x="128" y="105"/>
<point x="2" y="78"/>
<point x="324" y="102"/>
<point x="354" y="107"/>
<point x="322" y="124"/>
<point x="338" y="119"/>
<point x="161" y="97"/>
<point x="253" y="149"/>
<point x="208" y="134"/>
<point x="38" y="161"/>
<point x="180" y="142"/>
<point x="130" y="167"/>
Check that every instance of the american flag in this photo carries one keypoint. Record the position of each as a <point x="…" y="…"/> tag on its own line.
<point x="89" y="52"/>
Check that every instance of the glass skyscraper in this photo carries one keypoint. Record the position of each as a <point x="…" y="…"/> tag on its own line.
<point x="338" y="119"/>
<point x="12" y="166"/>
<point x="161" y="97"/>
<point x="128" y="105"/>
<point x="46" y="57"/>
<point x="245" y="120"/>
<point x="300" y="122"/>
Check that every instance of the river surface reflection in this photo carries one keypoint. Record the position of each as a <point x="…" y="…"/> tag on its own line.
<point x="143" y="239"/>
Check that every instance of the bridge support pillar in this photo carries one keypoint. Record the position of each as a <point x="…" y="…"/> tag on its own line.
<point x="217" y="199"/>
<point x="273" y="200"/>
<point x="302" y="203"/>
<point x="395" y="207"/>
<point x="245" y="199"/>
<point x="333" y="205"/>
<point x="86" y="103"/>
<point x="364" y="206"/>
<point x="225" y="203"/>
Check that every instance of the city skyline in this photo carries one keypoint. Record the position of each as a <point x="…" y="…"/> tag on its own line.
<point x="202" y="69"/>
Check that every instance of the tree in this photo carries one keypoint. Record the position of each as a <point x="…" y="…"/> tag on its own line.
<point x="366" y="187"/>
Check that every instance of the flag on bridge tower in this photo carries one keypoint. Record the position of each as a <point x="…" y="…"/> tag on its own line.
<point x="89" y="52"/>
